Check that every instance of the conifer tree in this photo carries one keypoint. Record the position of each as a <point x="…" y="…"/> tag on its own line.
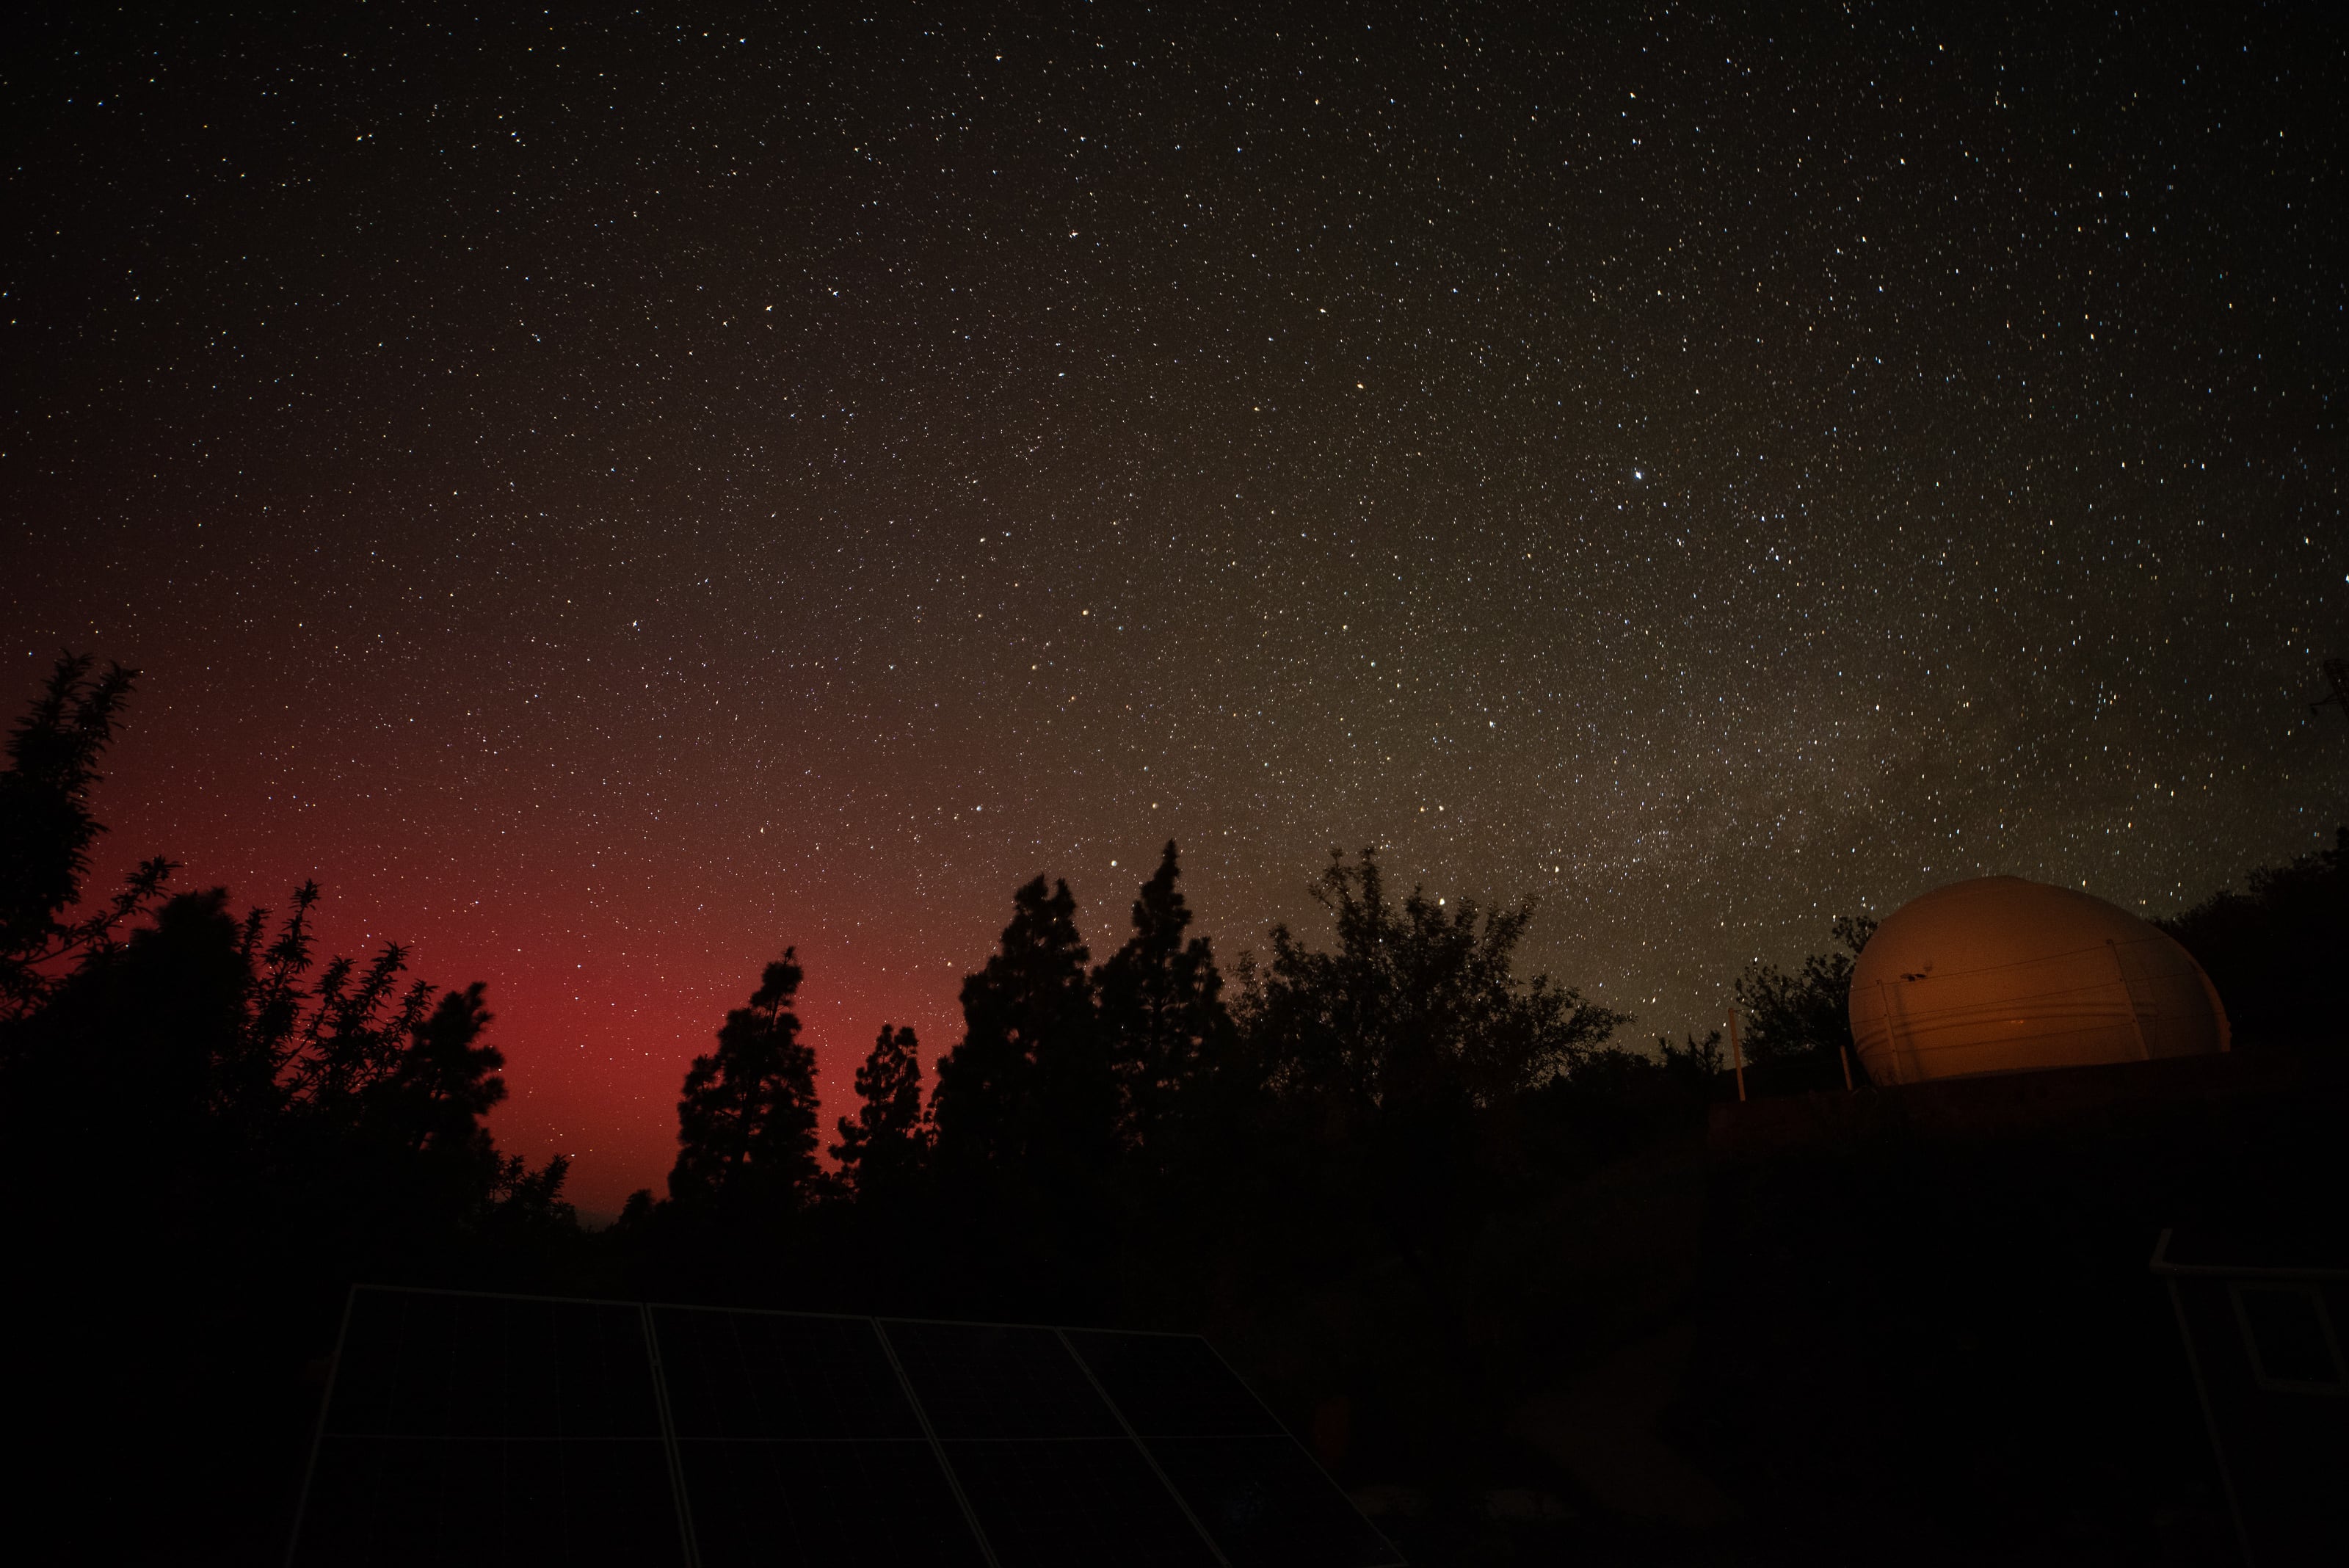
<point x="1030" y="1077"/>
<point x="446" y="1081"/>
<point x="746" y="1124"/>
<point x="882" y="1148"/>
<point x="1162" y="1009"/>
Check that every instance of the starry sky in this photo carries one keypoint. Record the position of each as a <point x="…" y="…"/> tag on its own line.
<point x="610" y="494"/>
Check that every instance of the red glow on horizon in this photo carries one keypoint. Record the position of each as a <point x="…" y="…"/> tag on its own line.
<point x="602" y="997"/>
<point x="595" y="1075"/>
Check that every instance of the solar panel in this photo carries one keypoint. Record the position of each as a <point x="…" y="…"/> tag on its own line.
<point x="1171" y="1385"/>
<point x="773" y="1375"/>
<point x="798" y="1444"/>
<point x="490" y="1429"/>
<point x="990" y="1381"/>
<point x="1266" y="1501"/>
<point x="1047" y="1503"/>
<point x="467" y="1428"/>
<point x="1049" y="1470"/>
<point x="1250" y="1485"/>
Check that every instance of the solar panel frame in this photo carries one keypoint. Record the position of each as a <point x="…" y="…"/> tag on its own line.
<point x="1246" y="1416"/>
<point x="971" y="1398"/>
<point x="669" y="1451"/>
<point x="500" y="1503"/>
<point x="492" y="1409"/>
<point x="959" y="1433"/>
<point x="1157" y="1469"/>
<point x="1072" y="1502"/>
<point x="1266" y="1502"/>
<point x="492" y="1438"/>
<point x="969" y="1513"/>
<point x="318" y="1427"/>
<point x="791" y="1416"/>
<point x="918" y="1434"/>
<point x="1264" y="1435"/>
<point x="996" y="1444"/>
<point x="1395" y="1557"/>
<point x="869" y="1502"/>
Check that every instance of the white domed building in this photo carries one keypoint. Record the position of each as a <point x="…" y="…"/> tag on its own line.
<point x="2001" y="975"/>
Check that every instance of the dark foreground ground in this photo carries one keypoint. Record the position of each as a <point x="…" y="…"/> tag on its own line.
<point x="1910" y="1326"/>
<point x="1915" y="1326"/>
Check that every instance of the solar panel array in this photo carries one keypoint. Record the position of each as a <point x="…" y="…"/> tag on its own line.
<point x="464" y="1429"/>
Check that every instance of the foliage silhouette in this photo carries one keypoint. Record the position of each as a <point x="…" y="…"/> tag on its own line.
<point x="746" y="1124"/>
<point x="2273" y="951"/>
<point x="881" y="1151"/>
<point x="1029" y="1074"/>
<point x="1026" y="1120"/>
<point x="1798" y="1027"/>
<point x="187" y="1096"/>
<point x="1162" y="1012"/>
<point x="1419" y="1000"/>
<point x="48" y="831"/>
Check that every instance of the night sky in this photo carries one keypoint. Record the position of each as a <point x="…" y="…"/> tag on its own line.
<point x="609" y="498"/>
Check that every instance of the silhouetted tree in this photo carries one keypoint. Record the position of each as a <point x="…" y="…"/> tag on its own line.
<point x="1418" y="999"/>
<point x="1800" y="1023"/>
<point x="1408" y="1071"/>
<point x="187" y="1096"/>
<point x="1694" y="1062"/>
<point x="135" y="1052"/>
<point x="527" y="1206"/>
<point x="213" y="1048"/>
<point x="2272" y="952"/>
<point x="48" y="830"/>
<point x="1400" y="1046"/>
<point x="431" y="1108"/>
<point x="1612" y="1101"/>
<point x="1025" y="1113"/>
<point x="1030" y="1058"/>
<point x="334" y="1046"/>
<point x="1162" y="1011"/>
<point x="747" y="1125"/>
<point x="881" y="1151"/>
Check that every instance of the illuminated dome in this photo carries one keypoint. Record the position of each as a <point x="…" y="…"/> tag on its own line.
<point x="2001" y="975"/>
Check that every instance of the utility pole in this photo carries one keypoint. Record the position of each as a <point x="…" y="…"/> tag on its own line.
<point x="1736" y="1058"/>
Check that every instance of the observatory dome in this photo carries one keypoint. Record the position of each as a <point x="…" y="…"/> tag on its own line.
<point x="2001" y="975"/>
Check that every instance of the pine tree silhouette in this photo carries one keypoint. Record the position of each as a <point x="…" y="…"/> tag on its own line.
<point x="746" y="1124"/>
<point x="1026" y="1112"/>
<point x="881" y="1151"/>
<point x="1030" y="1052"/>
<point x="446" y="1081"/>
<point x="1162" y="1011"/>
